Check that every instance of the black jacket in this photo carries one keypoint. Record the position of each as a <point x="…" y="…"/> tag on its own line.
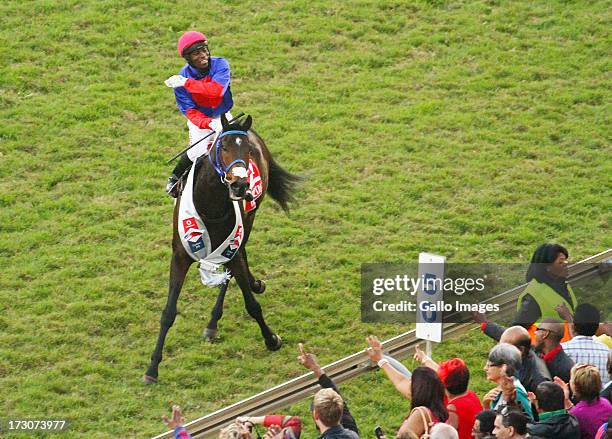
<point x="533" y="369"/>
<point x="564" y="426"/>
<point x="339" y="432"/>
<point x="347" y="421"/>
<point x="560" y="366"/>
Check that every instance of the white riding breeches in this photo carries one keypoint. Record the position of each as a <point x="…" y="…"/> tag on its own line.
<point x="196" y="134"/>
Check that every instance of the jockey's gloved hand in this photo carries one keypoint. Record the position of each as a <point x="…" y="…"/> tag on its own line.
<point x="175" y="81"/>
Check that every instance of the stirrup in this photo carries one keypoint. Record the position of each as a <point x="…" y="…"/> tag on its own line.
<point x="172" y="186"/>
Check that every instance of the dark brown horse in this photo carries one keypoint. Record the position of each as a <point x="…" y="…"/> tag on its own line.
<point x="221" y="179"/>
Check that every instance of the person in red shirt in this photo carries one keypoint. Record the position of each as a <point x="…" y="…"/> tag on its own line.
<point x="462" y="404"/>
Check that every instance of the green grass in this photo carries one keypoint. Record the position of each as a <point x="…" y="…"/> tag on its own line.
<point x="473" y="129"/>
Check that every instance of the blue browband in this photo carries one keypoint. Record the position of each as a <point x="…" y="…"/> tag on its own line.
<point x="219" y="166"/>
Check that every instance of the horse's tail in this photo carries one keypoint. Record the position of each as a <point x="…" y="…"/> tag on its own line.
<point x="282" y="185"/>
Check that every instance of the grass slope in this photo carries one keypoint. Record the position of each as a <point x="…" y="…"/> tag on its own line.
<point x="474" y="129"/>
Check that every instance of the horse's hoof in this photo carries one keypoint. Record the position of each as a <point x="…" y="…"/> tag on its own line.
<point x="259" y="287"/>
<point x="146" y="379"/>
<point x="210" y="335"/>
<point x="275" y="344"/>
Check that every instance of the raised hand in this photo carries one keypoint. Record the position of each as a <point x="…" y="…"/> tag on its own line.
<point x="243" y="420"/>
<point x="419" y="355"/>
<point x="309" y="361"/>
<point x="273" y="432"/>
<point x="508" y="388"/>
<point x="563" y="385"/>
<point x="374" y="352"/>
<point x="177" y="419"/>
<point x="490" y="397"/>
<point x="531" y="397"/>
<point x="564" y="313"/>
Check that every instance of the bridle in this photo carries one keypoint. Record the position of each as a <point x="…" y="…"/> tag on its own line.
<point x="218" y="164"/>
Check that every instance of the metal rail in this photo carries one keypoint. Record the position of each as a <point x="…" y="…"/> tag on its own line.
<point x="299" y="388"/>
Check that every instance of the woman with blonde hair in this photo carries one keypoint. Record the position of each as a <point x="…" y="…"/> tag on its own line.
<point x="591" y="410"/>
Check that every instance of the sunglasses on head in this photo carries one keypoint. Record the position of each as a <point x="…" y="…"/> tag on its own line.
<point x="503" y="410"/>
<point x="506" y="410"/>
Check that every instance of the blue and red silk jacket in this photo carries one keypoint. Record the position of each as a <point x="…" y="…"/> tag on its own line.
<point x="205" y="96"/>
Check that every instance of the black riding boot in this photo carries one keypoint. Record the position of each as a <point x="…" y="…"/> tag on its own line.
<point x="182" y="166"/>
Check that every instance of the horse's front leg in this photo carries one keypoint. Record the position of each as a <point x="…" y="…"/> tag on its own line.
<point x="240" y="270"/>
<point x="179" y="265"/>
<point x="258" y="286"/>
<point x="210" y="333"/>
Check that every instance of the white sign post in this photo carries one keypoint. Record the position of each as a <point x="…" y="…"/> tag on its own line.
<point x="430" y="294"/>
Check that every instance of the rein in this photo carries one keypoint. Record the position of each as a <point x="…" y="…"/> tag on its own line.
<point x="217" y="164"/>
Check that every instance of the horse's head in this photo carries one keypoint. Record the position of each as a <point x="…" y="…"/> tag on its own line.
<point x="232" y="150"/>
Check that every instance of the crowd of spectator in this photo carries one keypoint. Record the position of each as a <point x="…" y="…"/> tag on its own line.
<point x="550" y="377"/>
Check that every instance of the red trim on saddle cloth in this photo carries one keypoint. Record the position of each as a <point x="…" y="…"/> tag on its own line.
<point x="255" y="185"/>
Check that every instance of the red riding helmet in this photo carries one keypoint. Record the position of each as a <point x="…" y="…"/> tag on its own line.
<point x="189" y="39"/>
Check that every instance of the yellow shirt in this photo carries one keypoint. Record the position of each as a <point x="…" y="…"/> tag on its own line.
<point x="605" y="339"/>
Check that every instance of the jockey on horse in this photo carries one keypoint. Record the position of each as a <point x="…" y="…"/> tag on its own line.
<point x="213" y="220"/>
<point x="202" y="91"/>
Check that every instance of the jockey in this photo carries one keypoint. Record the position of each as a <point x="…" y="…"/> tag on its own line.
<point x="202" y="91"/>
